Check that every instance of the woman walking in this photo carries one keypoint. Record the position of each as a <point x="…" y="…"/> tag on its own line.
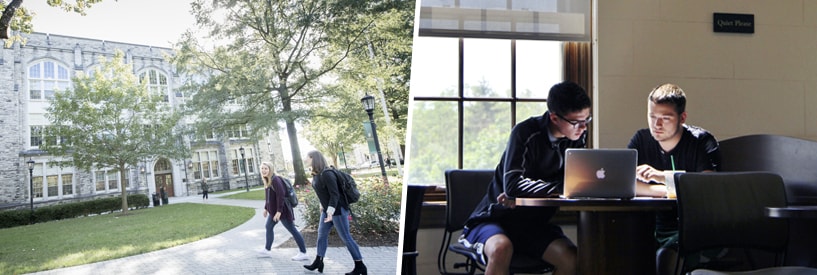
<point x="275" y="210"/>
<point x="325" y="184"/>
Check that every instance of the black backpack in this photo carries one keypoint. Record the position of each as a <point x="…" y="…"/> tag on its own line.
<point x="289" y="195"/>
<point x="348" y="187"/>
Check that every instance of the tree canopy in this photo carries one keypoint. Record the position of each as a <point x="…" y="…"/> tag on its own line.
<point x="268" y="59"/>
<point x="379" y="65"/>
<point x="109" y="120"/>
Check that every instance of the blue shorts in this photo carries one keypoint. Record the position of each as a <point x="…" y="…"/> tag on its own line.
<point x="526" y="239"/>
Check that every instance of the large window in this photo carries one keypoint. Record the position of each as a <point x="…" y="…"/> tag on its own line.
<point x="46" y="77"/>
<point x="238" y="131"/>
<point x="468" y="94"/>
<point x="156" y="83"/>
<point x="241" y="166"/>
<point x="108" y="181"/>
<point x="205" y="164"/>
<point x="51" y="181"/>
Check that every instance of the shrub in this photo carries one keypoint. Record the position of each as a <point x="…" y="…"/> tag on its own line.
<point x="19" y="217"/>
<point x="378" y="210"/>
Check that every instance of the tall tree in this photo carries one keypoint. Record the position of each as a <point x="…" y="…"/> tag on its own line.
<point x="110" y="120"/>
<point x="18" y="18"/>
<point x="380" y="65"/>
<point x="269" y="59"/>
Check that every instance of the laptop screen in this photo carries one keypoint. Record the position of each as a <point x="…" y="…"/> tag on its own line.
<point x="600" y="173"/>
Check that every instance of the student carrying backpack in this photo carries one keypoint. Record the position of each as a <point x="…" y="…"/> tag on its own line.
<point x="335" y="211"/>
<point x="348" y="186"/>
<point x="290" y="196"/>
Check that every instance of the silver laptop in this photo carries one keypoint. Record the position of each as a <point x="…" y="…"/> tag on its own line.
<point x="600" y="173"/>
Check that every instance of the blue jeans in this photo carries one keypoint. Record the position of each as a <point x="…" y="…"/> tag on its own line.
<point x="341" y="224"/>
<point x="290" y="227"/>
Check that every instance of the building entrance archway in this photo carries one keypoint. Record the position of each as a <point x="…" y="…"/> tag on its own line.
<point x="163" y="177"/>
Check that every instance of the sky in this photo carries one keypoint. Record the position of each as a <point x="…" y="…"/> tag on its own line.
<point x="145" y="22"/>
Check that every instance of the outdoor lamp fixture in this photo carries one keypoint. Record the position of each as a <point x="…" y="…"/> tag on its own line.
<point x="243" y="160"/>
<point x="368" y="105"/>
<point x="142" y="171"/>
<point x="30" y="163"/>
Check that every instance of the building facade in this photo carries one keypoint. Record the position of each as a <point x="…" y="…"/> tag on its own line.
<point x="29" y="76"/>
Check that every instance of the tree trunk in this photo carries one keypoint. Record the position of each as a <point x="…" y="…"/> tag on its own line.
<point x="292" y="134"/>
<point x="8" y="14"/>
<point x="122" y="188"/>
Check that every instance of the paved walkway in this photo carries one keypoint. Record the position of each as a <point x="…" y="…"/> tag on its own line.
<point x="234" y="252"/>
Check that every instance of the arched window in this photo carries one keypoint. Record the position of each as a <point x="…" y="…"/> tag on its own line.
<point x="45" y="77"/>
<point x="156" y="82"/>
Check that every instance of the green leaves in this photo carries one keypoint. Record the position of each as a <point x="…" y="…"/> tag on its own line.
<point x="110" y="119"/>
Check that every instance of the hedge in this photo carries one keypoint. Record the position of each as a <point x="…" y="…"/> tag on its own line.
<point x="20" y="217"/>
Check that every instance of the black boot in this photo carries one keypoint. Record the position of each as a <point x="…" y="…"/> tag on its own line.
<point x="360" y="269"/>
<point x="318" y="263"/>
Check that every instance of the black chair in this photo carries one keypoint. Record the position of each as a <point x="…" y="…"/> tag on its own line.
<point x="464" y="190"/>
<point x="727" y="210"/>
<point x="795" y="160"/>
<point x="414" y="204"/>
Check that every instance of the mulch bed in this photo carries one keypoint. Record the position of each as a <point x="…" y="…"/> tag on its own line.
<point x="363" y="240"/>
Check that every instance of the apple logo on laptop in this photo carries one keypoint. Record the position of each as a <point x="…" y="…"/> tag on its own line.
<point x="600" y="174"/>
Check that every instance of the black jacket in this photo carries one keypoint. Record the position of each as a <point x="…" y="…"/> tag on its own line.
<point x="326" y="188"/>
<point x="531" y="166"/>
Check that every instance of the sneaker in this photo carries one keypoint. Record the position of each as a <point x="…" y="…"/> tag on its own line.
<point x="263" y="253"/>
<point x="300" y="257"/>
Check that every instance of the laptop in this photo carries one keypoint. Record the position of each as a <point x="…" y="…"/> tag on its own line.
<point x="600" y="173"/>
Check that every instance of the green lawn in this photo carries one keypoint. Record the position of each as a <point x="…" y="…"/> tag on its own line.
<point x="254" y="194"/>
<point x="85" y="240"/>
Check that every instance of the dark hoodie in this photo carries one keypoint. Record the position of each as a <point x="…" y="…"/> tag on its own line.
<point x="531" y="166"/>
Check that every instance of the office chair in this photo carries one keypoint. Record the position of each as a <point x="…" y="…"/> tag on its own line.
<point x="414" y="204"/>
<point x="727" y="210"/>
<point x="464" y="190"/>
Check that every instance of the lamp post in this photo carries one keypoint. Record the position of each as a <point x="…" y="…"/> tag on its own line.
<point x="30" y="163"/>
<point x="368" y="105"/>
<point x="244" y="161"/>
<point x="186" y="180"/>
<point x="343" y="155"/>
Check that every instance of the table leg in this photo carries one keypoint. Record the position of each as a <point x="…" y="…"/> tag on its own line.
<point x="614" y="242"/>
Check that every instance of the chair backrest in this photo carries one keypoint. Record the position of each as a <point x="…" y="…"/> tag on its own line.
<point x="412" y="212"/>
<point x="795" y="160"/>
<point x="728" y="210"/>
<point x="464" y="190"/>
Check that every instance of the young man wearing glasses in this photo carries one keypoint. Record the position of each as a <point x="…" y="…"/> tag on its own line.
<point x="531" y="166"/>
<point x="669" y="144"/>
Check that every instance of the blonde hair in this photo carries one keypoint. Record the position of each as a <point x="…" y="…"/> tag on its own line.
<point x="267" y="180"/>
<point x="669" y="93"/>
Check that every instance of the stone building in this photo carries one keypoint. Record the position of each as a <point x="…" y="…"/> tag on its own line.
<point x="29" y="75"/>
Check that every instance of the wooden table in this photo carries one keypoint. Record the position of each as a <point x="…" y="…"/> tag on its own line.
<point x="614" y="236"/>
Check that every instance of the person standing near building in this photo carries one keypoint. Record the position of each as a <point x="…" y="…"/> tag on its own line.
<point x="277" y="210"/>
<point x="337" y="214"/>
<point x="204" y="189"/>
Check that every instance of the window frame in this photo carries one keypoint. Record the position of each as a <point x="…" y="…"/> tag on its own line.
<point x="59" y="74"/>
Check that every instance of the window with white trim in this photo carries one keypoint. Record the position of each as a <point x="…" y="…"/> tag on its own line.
<point x="52" y="182"/>
<point x="46" y="77"/>
<point x="241" y="166"/>
<point x="156" y="83"/>
<point x="205" y="164"/>
<point x="108" y="181"/>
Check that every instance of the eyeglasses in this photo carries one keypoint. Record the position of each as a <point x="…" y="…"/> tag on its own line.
<point x="577" y="123"/>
